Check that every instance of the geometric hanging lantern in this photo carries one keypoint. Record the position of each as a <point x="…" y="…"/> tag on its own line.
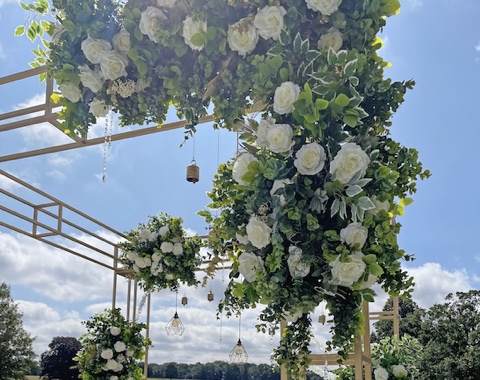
<point x="238" y="353"/>
<point x="175" y="326"/>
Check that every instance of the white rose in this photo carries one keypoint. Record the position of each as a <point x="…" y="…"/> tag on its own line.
<point x="262" y="129"/>
<point x="98" y="108"/>
<point x="94" y="48"/>
<point x="296" y="265"/>
<point x="346" y="274"/>
<point x="240" y="167"/>
<point x="119" y="367"/>
<point x="326" y="7"/>
<point x="119" y="346"/>
<point x="121" y="41"/>
<point x="144" y="234"/>
<point x="192" y="27"/>
<point x="350" y="160"/>
<point x="248" y="264"/>
<point x="113" y="65"/>
<point x="151" y="22"/>
<point x="371" y="280"/>
<point x="285" y="95"/>
<point x="399" y="371"/>
<point x="242" y="36"/>
<point x="143" y="262"/>
<point x="269" y="21"/>
<point x="136" y="269"/>
<point x="121" y="358"/>
<point x="163" y="231"/>
<point x="166" y="247"/>
<point x="332" y="39"/>
<point x="177" y="249"/>
<point x="258" y="232"/>
<point x="279" y="138"/>
<point x="354" y="233"/>
<point x="58" y="30"/>
<point x="130" y="352"/>
<point x="111" y="365"/>
<point x="379" y="206"/>
<point x="166" y="3"/>
<point x="279" y="184"/>
<point x="113" y="377"/>
<point x="381" y="374"/>
<point x="115" y="331"/>
<point x="107" y="354"/>
<point x="310" y="159"/>
<point x="153" y="236"/>
<point x="242" y="239"/>
<point x="70" y="91"/>
<point x="90" y="78"/>
<point x="132" y="256"/>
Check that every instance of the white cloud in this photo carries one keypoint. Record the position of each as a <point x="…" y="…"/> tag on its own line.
<point x="7" y="184"/>
<point x="5" y="2"/>
<point x="477" y="47"/>
<point x="415" y="4"/>
<point x="2" y="51"/>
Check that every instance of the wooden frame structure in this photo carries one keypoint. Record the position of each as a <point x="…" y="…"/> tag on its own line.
<point x="57" y="229"/>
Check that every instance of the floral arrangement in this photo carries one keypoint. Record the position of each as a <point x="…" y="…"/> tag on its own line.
<point x="160" y="254"/>
<point x="112" y="348"/>
<point x="395" y="358"/>
<point x="307" y="207"/>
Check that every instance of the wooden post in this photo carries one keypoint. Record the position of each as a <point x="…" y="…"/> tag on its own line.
<point x="366" y="341"/>
<point x="283" y="370"/>
<point x="147" y="335"/>
<point x="115" y="267"/>
<point x="396" y="317"/>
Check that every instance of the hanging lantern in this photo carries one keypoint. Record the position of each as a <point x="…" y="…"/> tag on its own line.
<point x="193" y="172"/>
<point x="175" y="326"/>
<point x="184" y="300"/>
<point x="271" y="331"/>
<point x="322" y="319"/>
<point x="210" y="296"/>
<point x="238" y="354"/>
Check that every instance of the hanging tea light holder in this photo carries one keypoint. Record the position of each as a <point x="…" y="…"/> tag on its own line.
<point x="175" y="326"/>
<point x="193" y="171"/>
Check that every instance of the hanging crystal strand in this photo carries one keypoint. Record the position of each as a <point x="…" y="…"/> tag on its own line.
<point x="221" y="314"/>
<point x="141" y="305"/>
<point x="107" y="144"/>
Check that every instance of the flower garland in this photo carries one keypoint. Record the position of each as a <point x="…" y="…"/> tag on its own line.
<point x="161" y="255"/>
<point x="112" y="348"/>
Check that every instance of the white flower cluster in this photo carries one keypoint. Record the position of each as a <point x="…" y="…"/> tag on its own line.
<point x="116" y="357"/>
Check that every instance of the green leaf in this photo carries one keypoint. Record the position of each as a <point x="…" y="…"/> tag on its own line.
<point x="368" y="297"/>
<point x="321" y="104"/>
<point x="390" y="8"/>
<point x="19" y="31"/>
<point x="297" y="43"/>
<point x="353" y="190"/>
<point x="404" y="202"/>
<point x="351" y="121"/>
<point x="342" y="100"/>
<point x="375" y="269"/>
<point x="68" y="25"/>
<point x="283" y="74"/>
<point x="365" y="204"/>
<point x="350" y="68"/>
<point x="331" y="56"/>
<point x="335" y="208"/>
<point x="369" y="259"/>
<point x="354" y="81"/>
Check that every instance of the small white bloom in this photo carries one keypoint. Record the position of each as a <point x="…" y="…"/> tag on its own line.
<point x="98" y="108"/>
<point x="240" y="167"/>
<point x="269" y="21"/>
<point x="94" y="48"/>
<point x="262" y="129"/>
<point x="332" y="39"/>
<point x="70" y="91"/>
<point x="113" y="65"/>
<point x="258" y="232"/>
<point x="132" y="256"/>
<point x="143" y="262"/>
<point x="153" y="236"/>
<point x="121" y="358"/>
<point x="156" y="257"/>
<point x="279" y="184"/>
<point x="191" y="28"/>
<point x="242" y="239"/>
<point x="381" y="374"/>
<point x="144" y="234"/>
<point x="248" y="264"/>
<point x="350" y="160"/>
<point x="107" y="354"/>
<point x="111" y="365"/>
<point x="354" y="233"/>
<point x="169" y="276"/>
<point x="166" y="3"/>
<point x="292" y="315"/>
<point x="166" y="247"/>
<point x="163" y="231"/>
<point x="177" y="249"/>
<point x="113" y="377"/>
<point x="310" y="159"/>
<point x="296" y="265"/>
<point x="242" y="36"/>
<point x="121" y="41"/>
<point x="119" y="367"/>
<point x="151" y="21"/>
<point x="325" y="7"/>
<point x="285" y="95"/>
<point x="90" y="78"/>
<point x="346" y="274"/>
<point x="119" y="346"/>
<point x="130" y="352"/>
<point x="279" y="138"/>
<point x="399" y="371"/>
<point x="379" y="206"/>
<point x="115" y="331"/>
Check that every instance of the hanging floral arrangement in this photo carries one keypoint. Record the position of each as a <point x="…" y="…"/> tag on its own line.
<point x="112" y="348"/>
<point x="161" y="255"/>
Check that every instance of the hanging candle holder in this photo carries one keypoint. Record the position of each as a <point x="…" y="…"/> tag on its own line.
<point x="184" y="300"/>
<point x="175" y="326"/>
<point x="210" y="296"/>
<point x="193" y="171"/>
<point x="322" y="319"/>
<point x="238" y="353"/>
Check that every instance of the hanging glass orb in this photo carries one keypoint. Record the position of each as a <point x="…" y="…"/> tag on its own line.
<point x="184" y="300"/>
<point x="238" y="354"/>
<point x="210" y="296"/>
<point x="175" y="326"/>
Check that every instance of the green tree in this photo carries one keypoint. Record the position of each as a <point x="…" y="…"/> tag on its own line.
<point x="410" y="320"/>
<point x="16" y="353"/>
<point x="171" y="371"/>
<point x="451" y="339"/>
<point x="57" y="362"/>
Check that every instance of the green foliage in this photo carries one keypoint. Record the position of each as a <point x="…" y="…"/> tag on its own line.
<point x="16" y="354"/>
<point x="58" y="362"/>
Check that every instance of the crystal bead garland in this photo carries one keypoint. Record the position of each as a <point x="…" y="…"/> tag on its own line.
<point x="107" y="142"/>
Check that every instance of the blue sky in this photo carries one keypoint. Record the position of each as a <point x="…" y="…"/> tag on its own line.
<point x="434" y="42"/>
